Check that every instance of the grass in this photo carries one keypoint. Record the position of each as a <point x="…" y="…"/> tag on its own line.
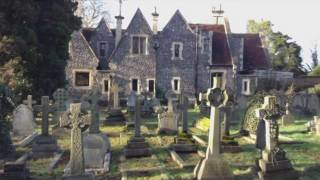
<point x="305" y="157"/>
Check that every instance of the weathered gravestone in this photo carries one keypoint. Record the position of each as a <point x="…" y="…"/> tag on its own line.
<point x="229" y="144"/>
<point x="168" y="120"/>
<point x="115" y="115"/>
<point x="204" y="108"/>
<point x="213" y="167"/>
<point x="29" y="102"/>
<point x="274" y="165"/>
<point x="96" y="144"/>
<point x="78" y="124"/>
<point x="60" y="97"/>
<point x="288" y="117"/>
<point x="44" y="144"/>
<point x="23" y="121"/>
<point x="137" y="146"/>
<point x="146" y="109"/>
<point x="183" y="108"/>
<point x="314" y="125"/>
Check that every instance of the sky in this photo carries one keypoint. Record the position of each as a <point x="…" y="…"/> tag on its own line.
<point x="300" y="19"/>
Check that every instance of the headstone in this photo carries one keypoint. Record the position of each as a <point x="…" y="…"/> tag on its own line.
<point x="45" y="143"/>
<point x="115" y="115"/>
<point x="204" y="108"/>
<point x="147" y="108"/>
<point x="183" y="108"/>
<point x="60" y="97"/>
<point x="23" y="121"/>
<point x="78" y="124"/>
<point x="314" y="125"/>
<point x="288" y="117"/>
<point x="213" y="166"/>
<point x="29" y="102"/>
<point x="96" y="144"/>
<point x="137" y="146"/>
<point x="115" y="91"/>
<point x="273" y="164"/>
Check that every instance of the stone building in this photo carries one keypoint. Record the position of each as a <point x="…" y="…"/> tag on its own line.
<point x="181" y="57"/>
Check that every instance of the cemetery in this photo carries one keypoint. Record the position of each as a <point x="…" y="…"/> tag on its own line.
<point x="189" y="101"/>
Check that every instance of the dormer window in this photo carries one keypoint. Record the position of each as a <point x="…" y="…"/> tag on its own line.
<point x="139" y="45"/>
<point x="176" y="49"/>
<point x="102" y="49"/>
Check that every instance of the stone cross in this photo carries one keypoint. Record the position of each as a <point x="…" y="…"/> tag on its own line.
<point x="170" y="95"/>
<point x="29" y="102"/>
<point x="269" y="112"/>
<point x="137" y="117"/>
<point x="115" y="90"/>
<point x="45" y="108"/>
<point x="60" y="97"/>
<point x="216" y="97"/>
<point x="78" y="124"/>
<point x="183" y="108"/>
<point x="227" y="112"/>
<point x="95" y="116"/>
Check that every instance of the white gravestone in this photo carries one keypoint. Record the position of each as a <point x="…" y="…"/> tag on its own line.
<point x="23" y="121"/>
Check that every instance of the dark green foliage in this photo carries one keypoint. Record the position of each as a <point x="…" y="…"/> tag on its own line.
<point x="250" y="121"/>
<point x="283" y="51"/>
<point x="36" y="34"/>
<point x="5" y="109"/>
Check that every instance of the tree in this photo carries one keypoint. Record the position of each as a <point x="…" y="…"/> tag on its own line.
<point x="34" y="38"/>
<point x="283" y="51"/>
<point x="91" y="11"/>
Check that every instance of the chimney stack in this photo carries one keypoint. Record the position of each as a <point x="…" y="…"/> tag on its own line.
<point x="155" y="16"/>
<point x="118" y="29"/>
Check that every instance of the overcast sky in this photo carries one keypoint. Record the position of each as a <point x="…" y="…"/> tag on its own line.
<point x="300" y="19"/>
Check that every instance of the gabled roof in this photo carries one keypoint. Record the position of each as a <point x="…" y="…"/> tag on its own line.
<point x="87" y="33"/>
<point x="138" y="20"/>
<point x="177" y="19"/>
<point x="103" y="25"/>
<point x="221" y="55"/>
<point x="254" y="55"/>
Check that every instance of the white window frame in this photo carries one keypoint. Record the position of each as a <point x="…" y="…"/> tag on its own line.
<point x="154" y="85"/>
<point x="243" y="90"/>
<point x="82" y="71"/>
<point x="173" y="51"/>
<point x="131" y="46"/>
<point x="224" y="76"/>
<point x="138" y="85"/>
<point x="99" y="44"/>
<point x="179" y="84"/>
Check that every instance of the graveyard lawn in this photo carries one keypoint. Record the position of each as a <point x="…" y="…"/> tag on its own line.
<point x="305" y="157"/>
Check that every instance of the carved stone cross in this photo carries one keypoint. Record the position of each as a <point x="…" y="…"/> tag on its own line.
<point x="29" y="102"/>
<point x="270" y="112"/>
<point x="78" y="124"/>
<point x="183" y="108"/>
<point x="137" y="117"/>
<point x="45" y="108"/>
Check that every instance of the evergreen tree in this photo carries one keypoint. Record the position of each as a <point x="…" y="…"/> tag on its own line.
<point x="34" y="37"/>
<point x="283" y="51"/>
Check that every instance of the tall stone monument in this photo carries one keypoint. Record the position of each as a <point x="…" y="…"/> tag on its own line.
<point x="137" y="146"/>
<point x="213" y="167"/>
<point x="183" y="108"/>
<point x="78" y="124"/>
<point x="45" y="143"/>
<point x="274" y="165"/>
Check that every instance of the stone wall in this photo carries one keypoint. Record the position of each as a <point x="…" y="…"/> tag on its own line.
<point x="177" y="30"/>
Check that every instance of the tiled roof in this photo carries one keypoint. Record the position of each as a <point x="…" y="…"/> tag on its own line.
<point x="87" y="33"/>
<point x="254" y="56"/>
<point x="209" y="27"/>
<point x="220" y="50"/>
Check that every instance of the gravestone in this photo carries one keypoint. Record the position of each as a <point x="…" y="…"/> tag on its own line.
<point x="44" y="144"/>
<point x="29" y="102"/>
<point x="147" y="108"/>
<point x="60" y="97"/>
<point x="183" y="108"/>
<point x="131" y="103"/>
<point x="23" y="121"/>
<point x="229" y="144"/>
<point x="288" y="117"/>
<point x="78" y="124"/>
<point x="213" y="167"/>
<point x="137" y="146"/>
<point x="204" y="108"/>
<point x="168" y="120"/>
<point x="314" y="125"/>
<point x="96" y="144"/>
<point x="274" y="165"/>
<point x="115" y="114"/>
